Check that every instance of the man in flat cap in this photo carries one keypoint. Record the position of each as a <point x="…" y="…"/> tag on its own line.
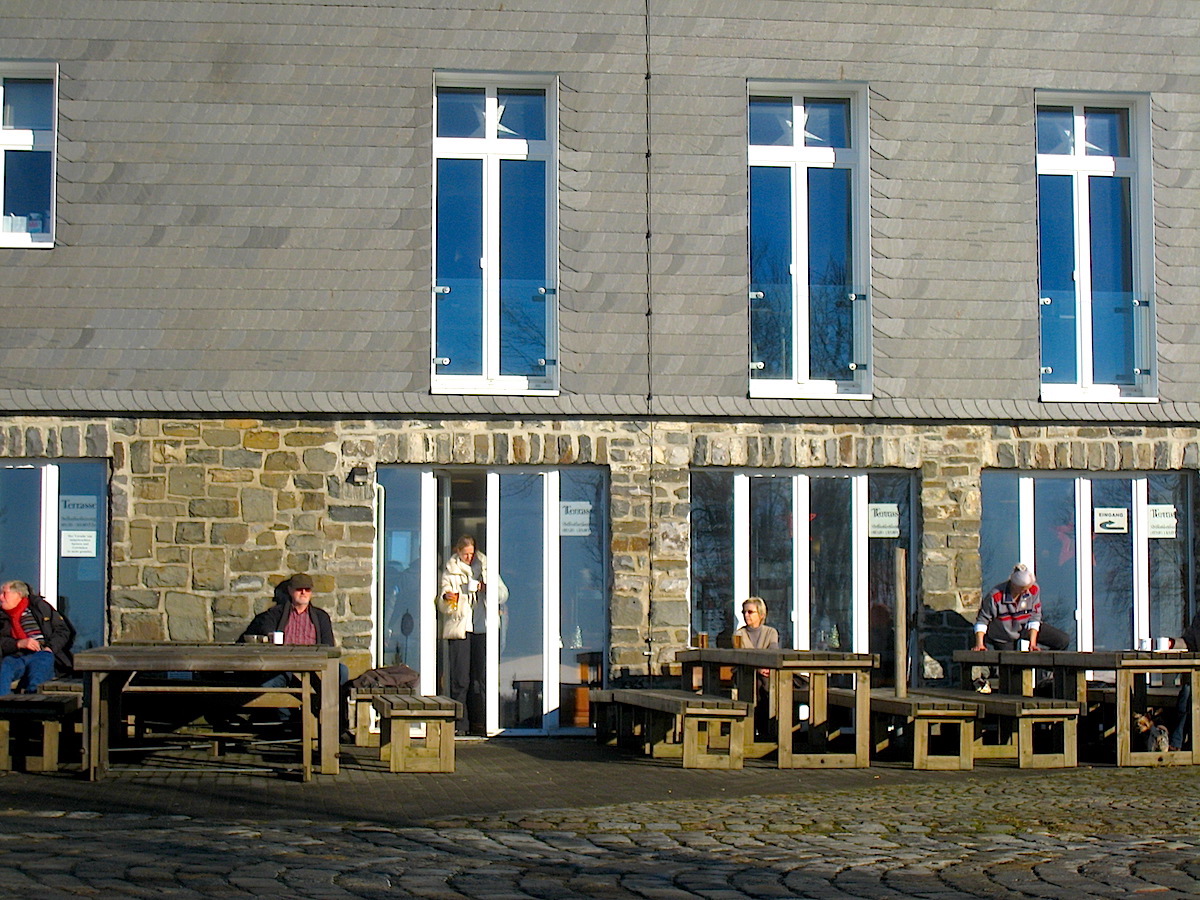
<point x="295" y="616"/>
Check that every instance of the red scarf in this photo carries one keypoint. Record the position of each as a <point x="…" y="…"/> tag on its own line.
<point x="15" y="614"/>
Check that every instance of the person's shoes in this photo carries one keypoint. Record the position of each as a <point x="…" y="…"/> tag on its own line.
<point x="982" y="686"/>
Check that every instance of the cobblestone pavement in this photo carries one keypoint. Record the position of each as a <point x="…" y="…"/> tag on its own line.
<point x="547" y="833"/>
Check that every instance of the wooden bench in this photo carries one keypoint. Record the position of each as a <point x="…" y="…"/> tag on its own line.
<point x="925" y="720"/>
<point x="51" y="710"/>
<point x="399" y="748"/>
<point x="702" y="730"/>
<point x="1018" y="716"/>
<point x="359" y="708"/>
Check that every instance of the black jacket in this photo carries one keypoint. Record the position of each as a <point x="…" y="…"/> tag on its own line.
<point x="273" y="619"/>
<point x="57" y="631"/>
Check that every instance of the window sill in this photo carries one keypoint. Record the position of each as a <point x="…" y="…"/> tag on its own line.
<point x="772" y="389"/>
<point x="1098" y="393"/>
<point x="478" y="386"/>
<point x="18" y="240"/>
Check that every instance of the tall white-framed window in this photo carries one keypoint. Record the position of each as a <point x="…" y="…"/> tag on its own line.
<point x="809" y="262"/>
<point x="1112" y="552"/>
<point x="819" y="546"/>
<point x="28" y="100"/>
<point x="495" y="236"/>
<point x="1095" y="248"/>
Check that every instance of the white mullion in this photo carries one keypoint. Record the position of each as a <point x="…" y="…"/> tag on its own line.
<point x="492" y="639"/>
<point x="1026" y="530"/>
<point x="49" y="525"/>
<point x="427" y="553"/>
<point x="801" y="331"/>
<point x="1083" y="278"/>
<point x="802" y="566"/>
<point x="859" y="497"/>
<point x="1083" y="567"/>
<point x="490" y="266"/>
<point x="551" y="601"/>
<point x="741" y="544"/>
<point x="1141" y="559"/>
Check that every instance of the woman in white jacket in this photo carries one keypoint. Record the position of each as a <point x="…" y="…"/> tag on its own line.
<point x="462" y="601"/>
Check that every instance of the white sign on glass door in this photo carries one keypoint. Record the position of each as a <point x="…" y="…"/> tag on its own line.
<point x="1110" y="520"/>
<point x="1161" y="520"/>
<point x="883" y="520"/>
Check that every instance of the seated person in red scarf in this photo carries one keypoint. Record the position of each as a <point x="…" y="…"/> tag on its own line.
<point x="34" y="639"/>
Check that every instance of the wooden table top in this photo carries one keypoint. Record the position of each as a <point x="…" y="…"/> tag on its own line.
<point x="171" y="657"/>
<point x="780" y="659"/>
<point x="1077" y="659"/>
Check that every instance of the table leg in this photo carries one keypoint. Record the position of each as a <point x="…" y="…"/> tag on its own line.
<point x="1194" y="714"/>
<point x="862" y="719"/>
<point x="782" y="690"/>
<point x="307" y="725"/>
<point x="330" y="730"/>
<point x="1124" y="716"/>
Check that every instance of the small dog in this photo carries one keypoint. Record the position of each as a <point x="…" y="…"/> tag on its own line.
<point x="1156" y="736"/>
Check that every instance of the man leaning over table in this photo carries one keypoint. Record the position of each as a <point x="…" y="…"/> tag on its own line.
<point x="35" y="638"/>
<point x="300" y="621"/>
<point x="1012" y="612"/>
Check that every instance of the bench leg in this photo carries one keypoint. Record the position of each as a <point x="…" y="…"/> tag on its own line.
<point x="48" y="761"/>
<point x="5" y="755"/>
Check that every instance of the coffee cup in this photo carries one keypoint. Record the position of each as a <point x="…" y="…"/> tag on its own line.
<point x="472" y="586"/>
<point x="1162" y="643"/>
<point x="1145" y="644"/>
<point x="1022" y="644"/>
<point x="276" y="637"/>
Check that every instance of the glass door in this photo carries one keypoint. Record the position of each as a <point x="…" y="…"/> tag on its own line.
<point x="544" y="534"/>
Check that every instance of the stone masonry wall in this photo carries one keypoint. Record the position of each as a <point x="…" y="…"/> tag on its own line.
<point x="208" y="514"/>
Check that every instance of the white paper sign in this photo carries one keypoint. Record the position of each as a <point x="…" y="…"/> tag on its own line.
<point x="574" y="518"/>
<point x="883" y="520"/>
<point x="77" y="513"/>
<point x="1161" y="520"/>
<point x="1110" y="520"/>
<point x="79" y="544"/>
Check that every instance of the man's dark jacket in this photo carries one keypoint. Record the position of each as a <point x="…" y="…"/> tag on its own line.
<point x="58" y="633"/>
<point x="273" y="619"/>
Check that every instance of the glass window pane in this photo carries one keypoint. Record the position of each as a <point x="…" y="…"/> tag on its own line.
<point x="27" y="175"/>
<point x="772" y="566"/>
<point x="1112" y="280"/>
<point x="522" y="114"/>
<point x="83" y="581"/>
<point x="21" y="525"/>
<point x="1107" y="132"/>
<point x="712" y="555"/>
<point x="29" y="103"/>
<point x="521" y="675"/>
<point x="830" y="311"/>
<point x="999" y="537"/>
<point x="522" y="266"/>
<point x="460" y="112"/>
<point x="886" y="487"/>
<point x="583" y="591"/>
<point x="403" y="605"/>
<point x="831" y="561"/>
<point x="1055" y="550"/>
<point x="1170" y="562"/>
<point x="459" y="235"/>
<point x="1056" y="261"/>
<point x="771" y="121"/>
<point x="826" y="123"/>
<point x="1112" y="574"/>
<point x="1055" y="130"/>
<point x="771" y="270"/>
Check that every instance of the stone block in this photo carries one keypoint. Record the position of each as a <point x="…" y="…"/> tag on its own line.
<point x="187" y="617"/>
<point x="140" y="626"/>
<point x="186" y="481"/>
<point x="319" y="460"/>
<point x="208" y="569"/>
<point x="258" y="505"/>
<point x="282" y="461"/>
<point x="135" y="599"/>
<point x="213" y="509"/>
<point x="257" y="560"/>
<point x="165" y="576"/>
<point x="229" y="533"/>
<point x="261" y="440"/>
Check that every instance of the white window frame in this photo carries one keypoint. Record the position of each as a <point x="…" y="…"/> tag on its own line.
<point x="798" y="158"/>
<point x="491" y="150"/>
<point x="1138" y="168"/>
<point x="28" y="139"/>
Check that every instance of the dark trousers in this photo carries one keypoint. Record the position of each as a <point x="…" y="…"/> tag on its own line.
<point x="466" y="665"/>
<point x="1049" y="638"/>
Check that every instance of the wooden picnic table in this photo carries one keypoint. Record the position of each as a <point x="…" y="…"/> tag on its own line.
<point x="782" y="666"/>
<point x="1133" y="674"/>
<point x="109" y="670"/>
